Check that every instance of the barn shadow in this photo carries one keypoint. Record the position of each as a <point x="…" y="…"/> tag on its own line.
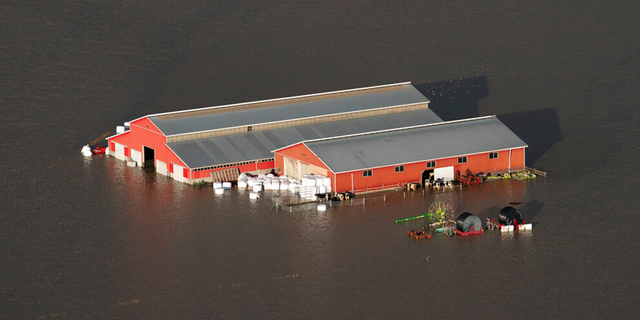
<point x="459" y="99"/>
<point x="540" y="129"/>
<point x="455" y="99"/>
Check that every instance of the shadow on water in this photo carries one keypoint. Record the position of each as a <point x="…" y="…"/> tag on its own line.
<point x="459" y="99"/>
<point x="540" y="129"/>
<point x="455" y="99"/>
<point x="531" y="209"/>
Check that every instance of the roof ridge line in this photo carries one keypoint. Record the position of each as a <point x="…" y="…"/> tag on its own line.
<point x="277" y="99"/>
<point x="398" y="129"/>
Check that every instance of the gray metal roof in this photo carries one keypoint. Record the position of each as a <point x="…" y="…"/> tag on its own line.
<point x="287" y="109"/>
<point x="430" y="142"/>
<point x="259" y="144"/>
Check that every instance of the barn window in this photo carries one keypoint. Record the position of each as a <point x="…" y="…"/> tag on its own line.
<point x="462" y="159"/>
<point x="367" y="173"/>
<point x="399" y="168"/>
<point x="431" y="164"/>
<point x="249" y="128"/>
<point x="278" y="169"/>
<point x="493" y="155"/>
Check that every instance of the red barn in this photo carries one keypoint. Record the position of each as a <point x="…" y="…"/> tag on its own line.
<point x="216" y="143"/>
<point x="387" y="158"/>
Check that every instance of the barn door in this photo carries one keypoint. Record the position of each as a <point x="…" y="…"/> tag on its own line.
<point x="291" y="168"/>
<point x="304" y="170"/>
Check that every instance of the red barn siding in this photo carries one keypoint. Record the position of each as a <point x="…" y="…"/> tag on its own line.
<point x="386" y="177"/>
<point x="144" y="133"/>
<point x="302" y="153"/>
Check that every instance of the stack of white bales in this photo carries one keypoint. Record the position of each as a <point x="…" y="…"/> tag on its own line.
<point x="313" y="184"/>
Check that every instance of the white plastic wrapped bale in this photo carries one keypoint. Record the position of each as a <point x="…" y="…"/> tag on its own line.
<point x="242" y="183"/>
<point x="257" y="187"/>
<point x="262" y="176"/>
<point x="270" y="175"/>
<point x="275" y="184"/>
<point x="294" y="187"/>
<point x="326" y="181"/>
<point x="322" y="189"/>
<point x="86" y="151"/>
<point x="251" y="182"/>
<point x="328" y="188"/>
<point x="226" y="185"/>
<point x="242" y="176"/>
<point x="254" y="195"/>
<point x="218" y="190"/>
<point x="284" y="185"/>
<point x="319" y="180"/>
<point x="217" y="185"/>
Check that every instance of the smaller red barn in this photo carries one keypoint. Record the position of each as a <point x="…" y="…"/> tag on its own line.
<point x="388" y="158"/>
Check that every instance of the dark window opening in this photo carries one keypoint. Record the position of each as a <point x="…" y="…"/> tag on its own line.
<point x="462" y="159"/>
<point x="399" y="168"/>
<point x="367" y="173"/>
<point x="431" y="164"/>
<point x="493" y="155"/>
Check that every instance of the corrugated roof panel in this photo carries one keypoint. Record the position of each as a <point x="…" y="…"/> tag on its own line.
<point x="417" y="144"/>
<point x="259" y="144"/>
<point x="339" y="103"/>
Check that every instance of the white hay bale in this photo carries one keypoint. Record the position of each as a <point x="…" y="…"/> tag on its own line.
<point x="217" y="185"/>
<point x="284" y="185"/>
<point x="242" y="183"/>
<point x="322" y="189"/>
<point x="251" y="182"/>
<point x="326" y="181"/>
<point x="218" y="190"/>
<point x="257" y="187"/>
<point x="226" y="185"/>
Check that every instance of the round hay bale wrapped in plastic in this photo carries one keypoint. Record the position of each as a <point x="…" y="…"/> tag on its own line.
<point x="509" y="215"/>
<point x="468" y="220"/>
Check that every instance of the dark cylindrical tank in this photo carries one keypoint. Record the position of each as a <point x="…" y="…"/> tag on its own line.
<point x="510" y="214"/>
<point x="467" y="220"/>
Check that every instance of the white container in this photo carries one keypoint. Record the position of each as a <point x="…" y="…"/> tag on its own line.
<point x="527" y="226"/>
<point x="322" y="207"/>
<point x="86" y="151"/>
<point x="218" y="190"/>
<point x="217" y="185"/>
<point x="257" y="187"/>
<point x="226" y="185"/>
<point x="506" y="229"/>
<point x="254" y="195"/>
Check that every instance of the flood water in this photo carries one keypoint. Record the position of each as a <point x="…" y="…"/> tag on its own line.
<point x="89" y="238"/>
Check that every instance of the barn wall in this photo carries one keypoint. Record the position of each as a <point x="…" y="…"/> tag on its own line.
<point x="144" y="133"/>
<point x="302" y="153"/>
<point x="386" y="177"/>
